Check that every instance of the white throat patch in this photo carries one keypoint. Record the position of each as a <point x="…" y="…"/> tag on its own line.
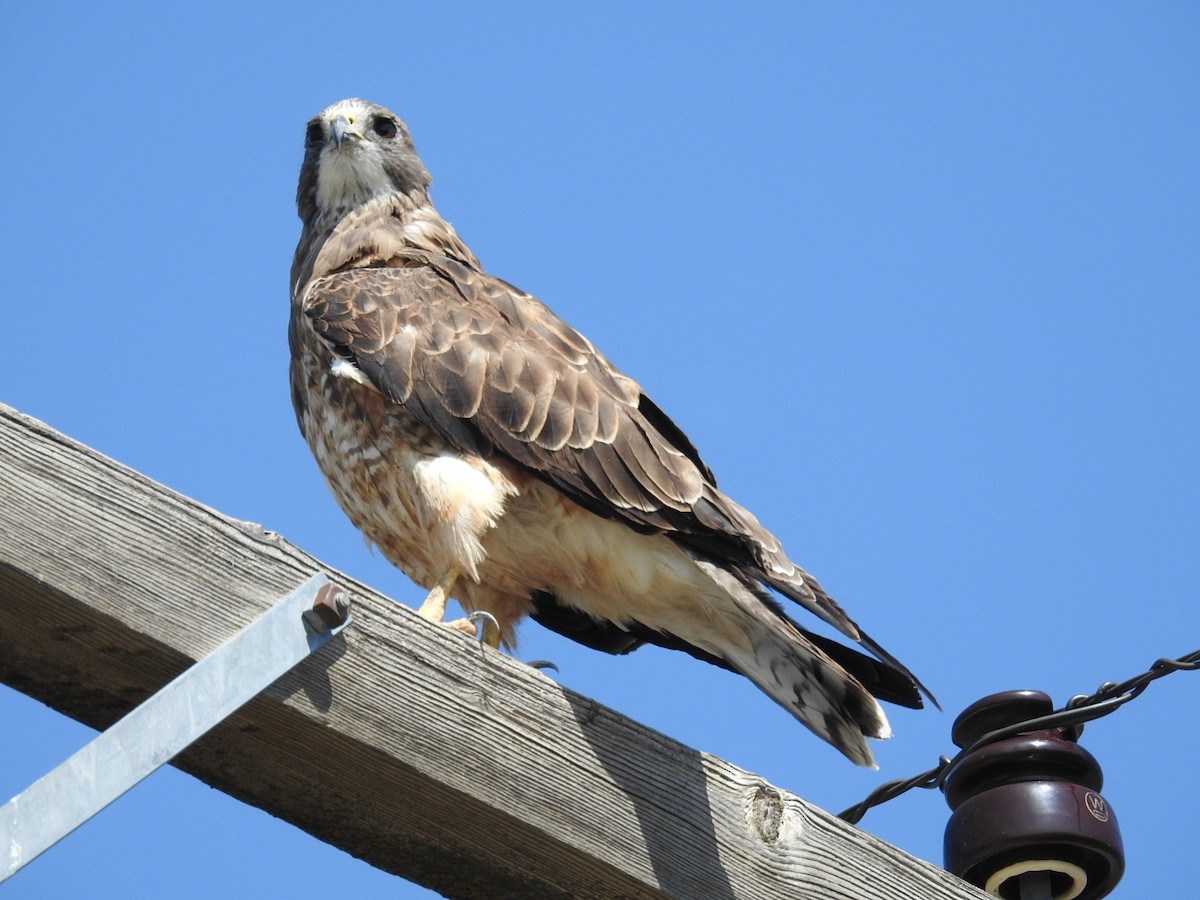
<point x="350" y="176"/>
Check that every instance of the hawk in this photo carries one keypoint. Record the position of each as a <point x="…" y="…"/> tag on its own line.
<point x="495" y="456"/>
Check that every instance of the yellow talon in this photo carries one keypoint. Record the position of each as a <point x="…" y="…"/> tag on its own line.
<point x="490" y="631"/>
<point x="434" y="607"/>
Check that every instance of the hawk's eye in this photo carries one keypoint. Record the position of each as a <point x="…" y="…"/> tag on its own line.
<point x="384" y="127"/>
<point x="315" y="134"/>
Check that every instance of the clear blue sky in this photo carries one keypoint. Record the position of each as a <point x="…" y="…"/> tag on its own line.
<point x="920" y="280"/>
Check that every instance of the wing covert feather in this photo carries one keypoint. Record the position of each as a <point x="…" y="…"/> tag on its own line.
<point x="489" y="366"/>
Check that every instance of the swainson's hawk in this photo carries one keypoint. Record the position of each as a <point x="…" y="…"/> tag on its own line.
<point x="495" y="456"/>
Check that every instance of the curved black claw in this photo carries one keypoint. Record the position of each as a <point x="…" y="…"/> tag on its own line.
<point x="489" y="633"/>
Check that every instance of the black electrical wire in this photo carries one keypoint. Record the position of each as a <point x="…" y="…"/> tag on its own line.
<point x="1108" y="698"/>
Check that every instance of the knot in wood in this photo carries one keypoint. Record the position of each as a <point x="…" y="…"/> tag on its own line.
<point x="766" y="813"/>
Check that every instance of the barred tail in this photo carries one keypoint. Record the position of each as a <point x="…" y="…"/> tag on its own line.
<point x="800" y="677"/>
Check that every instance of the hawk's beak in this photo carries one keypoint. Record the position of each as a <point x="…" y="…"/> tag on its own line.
<point x="340" y="130"/>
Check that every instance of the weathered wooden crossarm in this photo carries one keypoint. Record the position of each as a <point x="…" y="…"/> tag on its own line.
<point x="407" y="745"/>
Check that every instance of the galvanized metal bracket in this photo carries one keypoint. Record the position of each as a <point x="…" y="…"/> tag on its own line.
<point x="170" y="720"/>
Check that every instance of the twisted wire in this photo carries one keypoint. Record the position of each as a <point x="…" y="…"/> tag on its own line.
<point x="1081" y="708"/>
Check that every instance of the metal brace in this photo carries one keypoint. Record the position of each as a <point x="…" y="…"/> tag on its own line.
<point x="169" y="721"/>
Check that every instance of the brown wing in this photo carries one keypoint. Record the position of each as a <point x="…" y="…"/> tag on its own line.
<point x="495" y="371"/>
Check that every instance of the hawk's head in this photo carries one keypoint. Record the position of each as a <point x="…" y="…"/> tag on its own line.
<point x="355" y="151"/>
